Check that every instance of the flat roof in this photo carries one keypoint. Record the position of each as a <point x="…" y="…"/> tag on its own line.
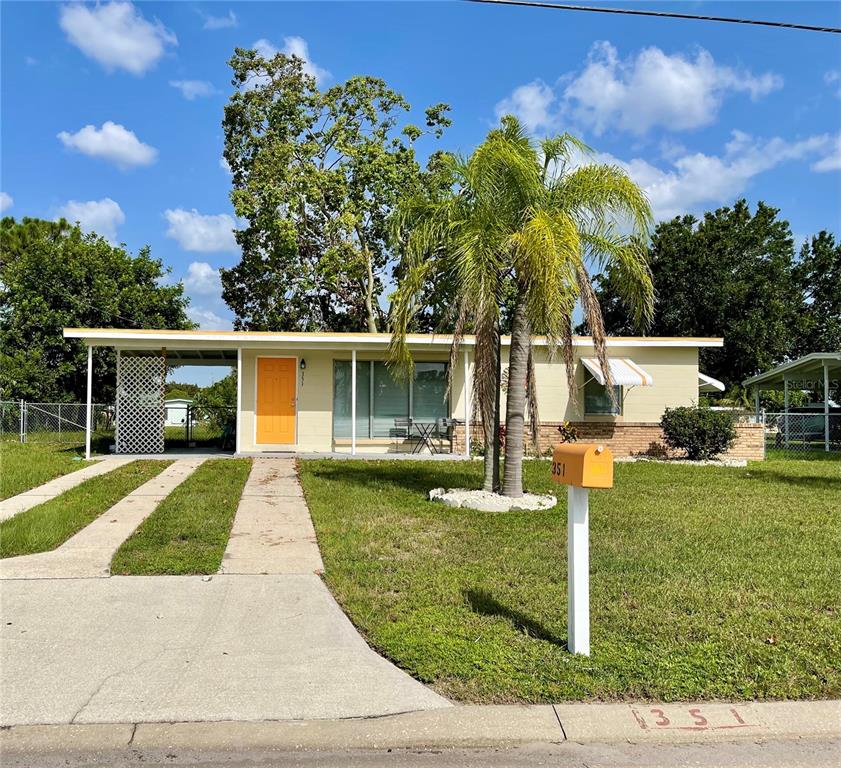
<point x="809" y="365"/>
<point x="141" y="338"/>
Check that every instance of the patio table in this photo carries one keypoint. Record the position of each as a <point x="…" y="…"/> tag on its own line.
<point x="425" y="430"/>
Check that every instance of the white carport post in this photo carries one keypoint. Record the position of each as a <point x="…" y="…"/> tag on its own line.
<point x="826" y="406"/>
<point x="467" y="394"/>
<point x="785" y="406"/>
<point x="239" y="398"/>
<point x="353" y="402"/>
<point x="89" y="407"/>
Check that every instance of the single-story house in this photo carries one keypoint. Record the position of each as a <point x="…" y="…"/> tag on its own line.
<point x="175" y="411"/>
<point x="332" y="392"/>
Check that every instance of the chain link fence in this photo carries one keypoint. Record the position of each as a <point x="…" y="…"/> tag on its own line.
<point x="801" y="433"/>
<point x="184" y="425"/>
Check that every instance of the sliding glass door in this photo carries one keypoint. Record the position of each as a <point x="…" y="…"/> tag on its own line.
<point x="380" y="398"/>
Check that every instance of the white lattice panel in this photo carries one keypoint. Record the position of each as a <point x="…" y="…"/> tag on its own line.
<point x="140" y="404"/>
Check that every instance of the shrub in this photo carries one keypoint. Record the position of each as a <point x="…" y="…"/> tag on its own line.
<point x="701" y="432"/>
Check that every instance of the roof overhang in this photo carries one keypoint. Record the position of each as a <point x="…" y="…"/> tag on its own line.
<point x="183" y="341"/>
<point x="808" y="367"/>
<point x="623" y="372"/>
<point x="709" y="384"/>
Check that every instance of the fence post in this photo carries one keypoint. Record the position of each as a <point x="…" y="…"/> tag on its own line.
<point x="59" y="420"/>
<point x="21" y="427"/>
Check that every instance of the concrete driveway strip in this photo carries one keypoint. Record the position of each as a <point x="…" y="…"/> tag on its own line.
<point x="89" y="552"/>
<point x="35" y="496"/>
<point x="272" y="531"/>
<point x="179" y="648"/>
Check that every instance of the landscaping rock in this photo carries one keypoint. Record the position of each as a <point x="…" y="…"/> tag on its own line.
<point x="484" y="501"/>
<point x="691" y="462"/>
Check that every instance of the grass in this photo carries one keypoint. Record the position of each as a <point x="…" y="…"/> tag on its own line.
<point x="28" y="465"/>
<point x="706" y="582"/>
<point x="189" y="531"/>
<point x="48" y="525"/>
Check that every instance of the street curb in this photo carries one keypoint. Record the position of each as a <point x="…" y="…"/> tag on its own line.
<point x="470" y="726"/>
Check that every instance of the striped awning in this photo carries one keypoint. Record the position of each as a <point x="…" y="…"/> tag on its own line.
<point x="623" y="371"/>
<point x="709" y="384"/>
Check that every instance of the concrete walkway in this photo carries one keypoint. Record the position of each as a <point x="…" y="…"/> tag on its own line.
<point x="89" y="552"/>
<point x="35" y="496"/>
<point x="272" y="531"/>
<point x="189" y="648"/>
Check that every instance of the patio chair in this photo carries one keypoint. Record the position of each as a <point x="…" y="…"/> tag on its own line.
<point x="402" y="430"/>
<point x="444" y="430"/>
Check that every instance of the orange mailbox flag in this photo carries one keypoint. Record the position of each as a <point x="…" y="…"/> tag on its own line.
<point x="583" y="464"/>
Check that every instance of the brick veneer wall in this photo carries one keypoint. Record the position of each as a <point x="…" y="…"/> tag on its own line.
<point x="629" y="439"/>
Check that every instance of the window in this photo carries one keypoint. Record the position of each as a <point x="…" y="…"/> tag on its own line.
<point x="597" y="401"/>
<point x="380" y="398"/>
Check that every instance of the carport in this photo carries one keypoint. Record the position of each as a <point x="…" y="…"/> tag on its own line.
<point x="819" y="374"/>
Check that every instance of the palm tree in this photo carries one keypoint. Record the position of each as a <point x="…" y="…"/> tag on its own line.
<point x="532" y="217"/>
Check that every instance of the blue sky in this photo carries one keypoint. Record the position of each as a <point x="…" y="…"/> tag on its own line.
<point x="111" y="113"/>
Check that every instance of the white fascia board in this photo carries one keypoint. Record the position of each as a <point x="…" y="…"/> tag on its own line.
<point x="128" y="339"/>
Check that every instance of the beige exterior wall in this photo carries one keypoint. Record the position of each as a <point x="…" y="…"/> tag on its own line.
<point x="674" y="370"/>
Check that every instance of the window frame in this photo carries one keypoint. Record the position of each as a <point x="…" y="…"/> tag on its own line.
<point x="369" y="433"/>
<point x="615" y="411"/>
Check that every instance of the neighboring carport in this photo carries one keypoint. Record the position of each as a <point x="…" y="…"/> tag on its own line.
<point x="818" y="374"/>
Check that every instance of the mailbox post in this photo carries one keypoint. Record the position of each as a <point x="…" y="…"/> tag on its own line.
<point x="580" y="467"/>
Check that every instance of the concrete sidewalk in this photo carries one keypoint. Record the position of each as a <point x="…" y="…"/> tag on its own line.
<point x="89" y="552"/>
<point x="272" y="532"/>
<point x="189" y="648"/>
<point x="49" y="490"/>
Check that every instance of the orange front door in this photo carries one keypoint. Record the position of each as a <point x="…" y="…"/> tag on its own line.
<point x="276" y="400"/>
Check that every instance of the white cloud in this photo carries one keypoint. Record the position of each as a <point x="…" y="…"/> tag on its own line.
<point x="696" y="180"/>
<point x="112" y="142"/>
<point x="530" y="103"/>
<point x="224" y="165"/>
<point x="193" y="89"/>
<point x="207" y="319"/>
<point x="100" y="216"/>
<point x="202" y="278"/>
<point x="293" y="46"/>
<point x="635" y="94"/>
<point x="655" y="88"/>
<point x="6" y="201"/>
<point x="832" y="160"/>
<point x="221" y="22"/>
<point x="116" y="35"/>
<point x="201" y="233"/>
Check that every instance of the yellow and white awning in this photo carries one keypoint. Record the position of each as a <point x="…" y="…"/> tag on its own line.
<point x="623" y="371"/>
<point x="709" y="384"/>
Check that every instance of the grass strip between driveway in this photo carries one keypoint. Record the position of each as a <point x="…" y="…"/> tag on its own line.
<point x="188" y="532"/>
<point x="50" y="524"/>
<point x="27" y="465"/>
<point x="705" y="582"/>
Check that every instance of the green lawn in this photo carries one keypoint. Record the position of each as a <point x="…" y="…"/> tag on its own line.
<point x="27" y="465"/>
<point x="48" y="525"/>
<point x="706" y="582"/>
<point x="188" y="532"/>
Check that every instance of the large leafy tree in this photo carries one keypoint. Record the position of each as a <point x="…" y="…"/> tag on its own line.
<point x="520" y="230"/>
<point x="729" y="274"/>
<point x="818" y="275"/>
<point x="315" y="176"/>
<point x="53" y="276"/>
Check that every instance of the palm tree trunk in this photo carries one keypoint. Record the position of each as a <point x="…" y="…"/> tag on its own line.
<point x="490" y="429"/>
<point x="497" y="388"/>
<point x="515" y="406"/>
